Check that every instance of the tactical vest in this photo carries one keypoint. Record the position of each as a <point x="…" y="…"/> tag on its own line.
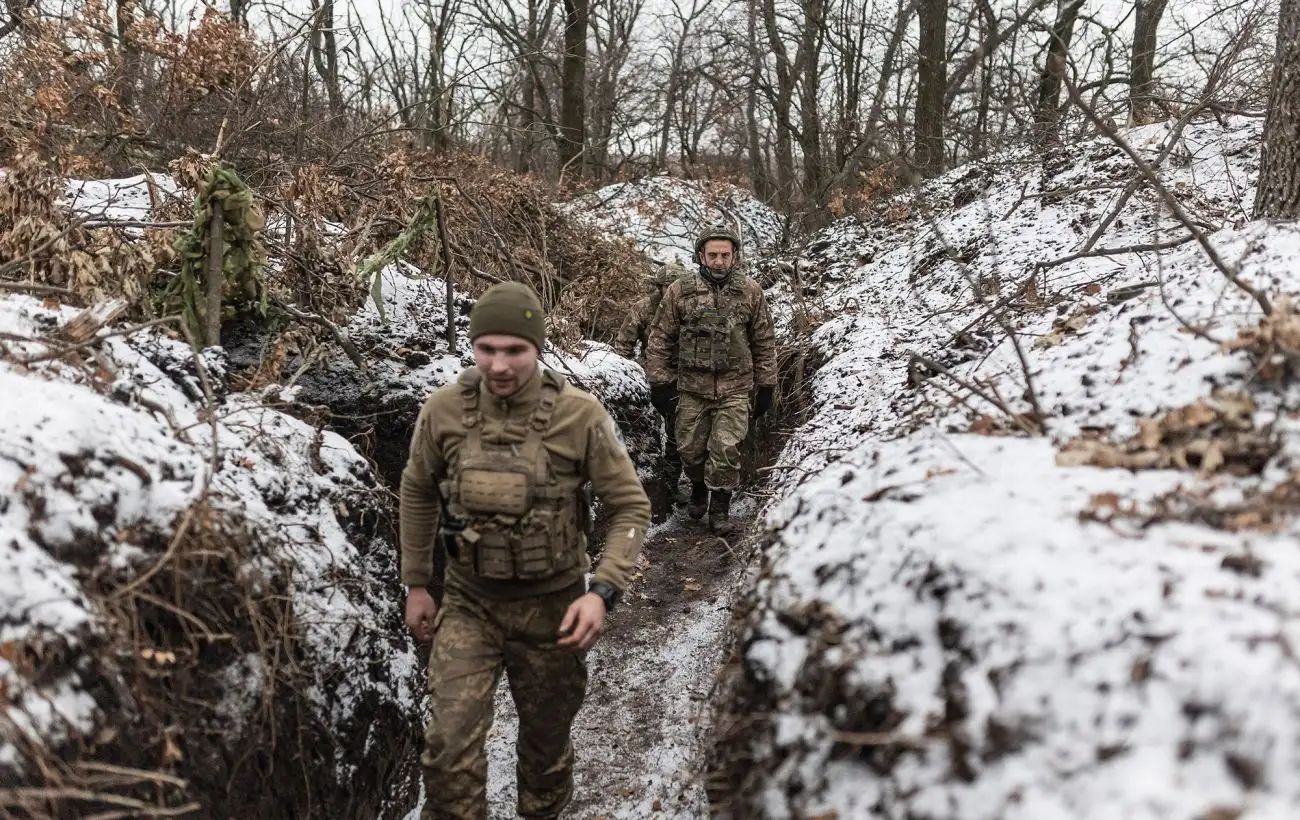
<point x="711" y="337"/>
<point x="521" y="520"/>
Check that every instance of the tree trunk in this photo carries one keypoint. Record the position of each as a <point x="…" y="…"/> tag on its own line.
<point x="215" y="281"/>
<point x="810" y="46"/>
<point x="130" y="54"/>
<point x="573" y="107"/>
<point x="782" y="100"/>
<point x="325" y="54"/>
<point x="1141" y="86"/>
<point x="1047" y="116"/>
<point x="932" y="81"/>
<point x="1278" y="195"/>
<point x="759" y="177"/>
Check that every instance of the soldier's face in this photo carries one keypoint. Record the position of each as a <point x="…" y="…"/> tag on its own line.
<point x="718" y="255"/>
<point x="507" y="362"/>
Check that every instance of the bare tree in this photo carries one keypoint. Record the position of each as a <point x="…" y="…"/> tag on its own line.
<point x="1048" y="113"/>
<point x="932" y="83"/>
<point x="1146" y="23"/>
<point x="573" y="86"/>
<point x="1278" y="195"/>
<point x="325" y="54"/>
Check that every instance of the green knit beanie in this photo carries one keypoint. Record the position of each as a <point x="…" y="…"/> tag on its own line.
<point x="512" y="309"/>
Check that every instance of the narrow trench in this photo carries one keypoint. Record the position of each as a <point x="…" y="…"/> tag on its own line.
<point x="643" y="735"/>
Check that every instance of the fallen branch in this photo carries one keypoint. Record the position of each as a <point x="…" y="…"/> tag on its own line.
<point x="1144" y="248"/>
<point x="931" y="364"/>
<point x="58" y="351"/>
<point x="21" y="797"/>
<point x="334" y="330"/>
<point x="33" y="287"/>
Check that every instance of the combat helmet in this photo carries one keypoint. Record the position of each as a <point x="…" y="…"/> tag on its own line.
<point x="717" y="231"/>
<point x="668" y="273"/>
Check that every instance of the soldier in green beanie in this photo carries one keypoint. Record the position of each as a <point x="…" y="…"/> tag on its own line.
<point x="498" y="465"/>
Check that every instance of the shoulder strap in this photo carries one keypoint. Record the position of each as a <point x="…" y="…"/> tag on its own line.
<point x="533" y="452"/>
<point x="470" y="383"/>
<point x="689" y="282"/>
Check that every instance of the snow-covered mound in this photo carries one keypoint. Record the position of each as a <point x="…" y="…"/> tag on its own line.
<point x="955" y="620"/>
<point x="189" y="587"/>
<point x="663" y="215"/>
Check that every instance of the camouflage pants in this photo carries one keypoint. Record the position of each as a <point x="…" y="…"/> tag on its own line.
<point x="672" y="461"/>
<point x="473" y="641"/>
<point x="709" y="434"/>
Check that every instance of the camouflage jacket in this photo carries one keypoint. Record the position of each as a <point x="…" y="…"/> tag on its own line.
<point x="712" y="340"/>
<point x="637" y="325"/>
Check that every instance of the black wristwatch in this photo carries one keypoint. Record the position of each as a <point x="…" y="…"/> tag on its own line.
<point x="607" y="593"/>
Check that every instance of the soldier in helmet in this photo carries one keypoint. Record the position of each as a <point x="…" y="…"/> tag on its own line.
<point x="712" y="354"/>
<point x="635" y="331"/>
<point x="495" y="477"/>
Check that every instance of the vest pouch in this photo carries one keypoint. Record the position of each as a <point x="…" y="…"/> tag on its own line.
<point x="487" y="491"/>
<point x="550" y="544"/>
<point x="698" y="340"/>
<point x="534" y="558"/>
<point x="494" y="557"/>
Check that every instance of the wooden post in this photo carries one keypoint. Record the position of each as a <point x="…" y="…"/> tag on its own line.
<point x="216" y="278"/>
<point x="444" y="248"/>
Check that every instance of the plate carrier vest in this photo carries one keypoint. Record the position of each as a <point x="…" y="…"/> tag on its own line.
<point x="520" y="520"/>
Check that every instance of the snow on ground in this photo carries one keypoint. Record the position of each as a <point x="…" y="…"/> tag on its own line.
<point x="663" y="215"/>
<point x="943" y="628"/>
<point x="94" y="460"/>
<point x="118" y="200"/>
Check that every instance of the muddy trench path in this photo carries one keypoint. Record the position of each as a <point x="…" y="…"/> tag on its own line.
<point x="642" y="735"/>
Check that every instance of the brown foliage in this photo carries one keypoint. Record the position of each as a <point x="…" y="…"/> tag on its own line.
<point x="1214" y="434"/>
<point x="44" y="243"/>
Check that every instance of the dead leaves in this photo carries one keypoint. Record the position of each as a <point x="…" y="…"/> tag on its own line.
<point x="1274" y="344"/>
<point x="1213" y="434"/>
<point x="1067" y="326"/>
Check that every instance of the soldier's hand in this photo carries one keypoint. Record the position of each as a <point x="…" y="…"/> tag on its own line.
<point x="420" y="612"/>
<point x="583" y="623"/>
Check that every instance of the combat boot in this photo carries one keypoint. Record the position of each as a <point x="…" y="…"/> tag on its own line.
<point x="720" y="522"/>
<point x="699" y="500"/>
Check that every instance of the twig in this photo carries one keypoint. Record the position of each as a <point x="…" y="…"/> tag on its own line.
<point x="137" y="223"/>
<point x="58" y="351"/>
<point x="938" y="368"/>
<point x="1174" y="205"/>
<point x="19" y="797"/>
<point x="124" y="771"/>
<point x="210" y="403"/>
<point x="33" y="287"/>
<point x="172" y="546"/>
<point x="879" y="739"/>
<point x="1150" y="246"/>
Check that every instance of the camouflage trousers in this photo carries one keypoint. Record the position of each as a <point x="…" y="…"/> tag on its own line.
<point x="473" y="642"/>
<point x="709" y="435"/>
<point x="672" y="460"/>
